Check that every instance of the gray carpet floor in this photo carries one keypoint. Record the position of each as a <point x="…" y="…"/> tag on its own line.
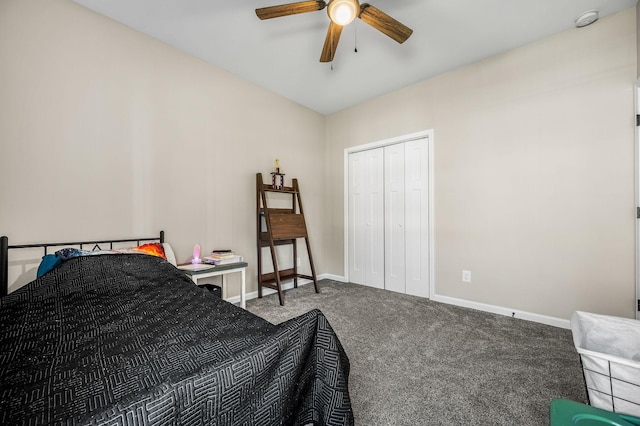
<point x="418" y="362"/>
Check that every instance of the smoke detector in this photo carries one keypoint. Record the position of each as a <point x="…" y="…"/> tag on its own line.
<point x="587" y="18"/>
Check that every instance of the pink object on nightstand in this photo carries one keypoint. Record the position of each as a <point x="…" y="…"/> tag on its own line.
<point x="196" y="254"/>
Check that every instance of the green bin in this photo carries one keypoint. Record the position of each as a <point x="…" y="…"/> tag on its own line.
<point x="563" y="412"/>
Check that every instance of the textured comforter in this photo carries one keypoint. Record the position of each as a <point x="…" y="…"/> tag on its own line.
<point x="128" y="339"/>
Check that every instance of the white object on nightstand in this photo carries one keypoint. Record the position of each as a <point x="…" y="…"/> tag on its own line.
<point x="196" y="272"/>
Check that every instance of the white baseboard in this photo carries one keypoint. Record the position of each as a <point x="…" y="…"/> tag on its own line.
<point x="332" y="277"/>
<point x="543" y="319"/>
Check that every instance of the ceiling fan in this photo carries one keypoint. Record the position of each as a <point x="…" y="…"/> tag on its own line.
<point x="341" y="13"/>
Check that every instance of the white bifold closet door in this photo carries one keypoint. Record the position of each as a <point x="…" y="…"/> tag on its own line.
<point x="394" y="231"/>
<point x="406" y="207"/>
<point x="366" y="218"/>
<point x="389" y="233"/>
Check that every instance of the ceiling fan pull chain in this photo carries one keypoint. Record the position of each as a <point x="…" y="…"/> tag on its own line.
<point x="355" y="37"/>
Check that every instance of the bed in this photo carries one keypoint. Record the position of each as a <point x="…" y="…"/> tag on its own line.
<point x="128" y="339"/>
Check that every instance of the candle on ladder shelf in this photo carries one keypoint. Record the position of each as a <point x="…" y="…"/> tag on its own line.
<point x="277" y="178"/>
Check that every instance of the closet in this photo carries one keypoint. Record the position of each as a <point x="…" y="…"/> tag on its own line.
<point x="388" y="217"/>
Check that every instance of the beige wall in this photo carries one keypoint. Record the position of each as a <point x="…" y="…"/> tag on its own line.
<point x="534" y="171"/>
<point x="638" y="37"/>
<point x="105" y="132"/>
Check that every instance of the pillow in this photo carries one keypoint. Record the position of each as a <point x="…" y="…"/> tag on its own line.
<point x="168" y="251"/>
<point x="152" y="249"/>
<point x="48" y="262"/>
<point x="70" y="253"/>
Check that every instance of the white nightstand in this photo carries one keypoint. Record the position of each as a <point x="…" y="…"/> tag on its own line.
<point x="223" y="270"/>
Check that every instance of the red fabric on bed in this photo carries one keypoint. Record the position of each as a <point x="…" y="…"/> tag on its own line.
<point x="153" y="249"/>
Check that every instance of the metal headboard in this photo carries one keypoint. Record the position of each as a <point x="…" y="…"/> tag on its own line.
<point x="5" y="247"/>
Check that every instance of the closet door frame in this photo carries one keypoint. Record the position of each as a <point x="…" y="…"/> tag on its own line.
<point x="426" y="134"/>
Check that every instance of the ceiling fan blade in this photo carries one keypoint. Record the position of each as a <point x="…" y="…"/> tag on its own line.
<point x="384" y="23"/>
<point x="331" y="42"/>
<point x="290" y="9"/>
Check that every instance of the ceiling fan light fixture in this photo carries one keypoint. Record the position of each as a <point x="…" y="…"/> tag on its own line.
<point x="343" y="12"/>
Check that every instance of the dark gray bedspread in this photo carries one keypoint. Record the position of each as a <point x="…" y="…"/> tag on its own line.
<point x="128" y="339"/>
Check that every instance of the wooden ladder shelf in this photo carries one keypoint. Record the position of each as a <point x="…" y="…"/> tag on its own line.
<point x="277" y="227"/>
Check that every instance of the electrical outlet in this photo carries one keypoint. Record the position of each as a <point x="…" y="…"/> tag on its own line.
<point x="298" y="262"/>
<point x="466" y="276"/>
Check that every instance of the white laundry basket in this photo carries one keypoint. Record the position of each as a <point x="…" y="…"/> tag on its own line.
<point x="609" y="349"/>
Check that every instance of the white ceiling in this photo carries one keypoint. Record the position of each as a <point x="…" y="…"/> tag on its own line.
<point x="282" y="54"/>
